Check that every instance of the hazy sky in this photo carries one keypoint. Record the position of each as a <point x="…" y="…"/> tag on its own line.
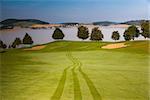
<point x="55" y="11"/>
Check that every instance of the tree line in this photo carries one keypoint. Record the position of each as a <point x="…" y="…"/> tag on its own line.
<point x="130" y="34"/>
<point x="83" y="33"/>
<point x="27" y="40"/>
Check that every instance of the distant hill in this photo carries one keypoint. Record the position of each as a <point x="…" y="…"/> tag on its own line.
<point x="25" y="23"/>
<point x="107" y="23"/>
<point x="70" y="23"/>
<point x="20" y="22"/>
<point x="104" y="23"/>
<point x="134" y="22"/>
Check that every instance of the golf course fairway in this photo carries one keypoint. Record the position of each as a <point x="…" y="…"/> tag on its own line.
<point x="67" y="70"/>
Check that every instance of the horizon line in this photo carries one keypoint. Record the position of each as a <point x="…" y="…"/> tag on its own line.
<point x="77" y="21"/>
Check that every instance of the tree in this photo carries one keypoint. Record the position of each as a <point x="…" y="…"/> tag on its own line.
<point x="83" y="32"/>
<point x="145" y="29"/>
<point x="115" y="35"/>
<point x="96" y="34"/>
<point x="9" y="46"/>
<point x="58" y="34"/>
<point x="2" y="45"/>
<point x="27" y="39"/>
<point x="16" y="42"/>
<point x="131" y="33"/>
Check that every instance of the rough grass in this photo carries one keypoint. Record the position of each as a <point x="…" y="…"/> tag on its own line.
<point x="118" y="74"/>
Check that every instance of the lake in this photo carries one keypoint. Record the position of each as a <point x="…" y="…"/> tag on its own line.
<point x="41" y="36"/>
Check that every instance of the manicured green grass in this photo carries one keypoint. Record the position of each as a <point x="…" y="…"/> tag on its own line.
<point x="68" y="70"/>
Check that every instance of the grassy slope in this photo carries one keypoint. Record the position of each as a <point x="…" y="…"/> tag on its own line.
<point x="119" y="74"/>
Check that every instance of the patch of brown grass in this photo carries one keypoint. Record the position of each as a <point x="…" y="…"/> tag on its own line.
<point x="36" y="48"/>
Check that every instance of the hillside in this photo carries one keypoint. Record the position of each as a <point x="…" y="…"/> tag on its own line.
<point x="20" y="22"/>
<point x="104" y="23"/>
<point x="134" y="22"/>
<point x="70" y="23"/>
<point x="107" y="23"/>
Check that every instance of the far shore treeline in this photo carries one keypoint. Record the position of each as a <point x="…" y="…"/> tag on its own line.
<point x="83" y="33"/>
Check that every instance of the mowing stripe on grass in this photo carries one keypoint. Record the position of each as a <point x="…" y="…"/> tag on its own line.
<point x="131" y="84"/>
<point x="92" y="88"/>
<point x="59" y="90"/>
<point x="77" y="90"/>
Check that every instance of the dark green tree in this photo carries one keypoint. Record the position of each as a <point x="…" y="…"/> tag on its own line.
<point x="96" y="34"/>
<point x="2" y="45"/>
<point x="145" y="29"/>
<point x="83" y="32"/>
<point x="9" y="46"/>
<point x="27" y="39"/>
<point x="58" y="34"/>
<point x="16" y="42"/>
<point x="131" y="33"/>
<point x="115" y="35"/>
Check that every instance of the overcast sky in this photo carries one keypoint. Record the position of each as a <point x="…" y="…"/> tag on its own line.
<point x="55" y="11"/>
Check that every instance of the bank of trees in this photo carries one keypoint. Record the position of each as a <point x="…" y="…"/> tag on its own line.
<point x="27" y="40"/>
<point x="130" y="33"/>
<point x="83" y="33"/>
<point x="96" y="34"/>
<point x="133" y="32"/>
<point x="145" y="29"/>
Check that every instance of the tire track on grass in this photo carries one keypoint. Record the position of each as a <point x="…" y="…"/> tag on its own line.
<point x="95" y="94"/>
<point x="59" y="90"/>
<point x="77" y="89"/>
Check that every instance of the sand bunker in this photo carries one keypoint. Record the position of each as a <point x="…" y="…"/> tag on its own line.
<point x="114" y="46"/>
<point x="36" y="47"/>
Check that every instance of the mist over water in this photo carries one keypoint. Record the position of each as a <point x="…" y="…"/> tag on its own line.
<point x="41" y="36"/>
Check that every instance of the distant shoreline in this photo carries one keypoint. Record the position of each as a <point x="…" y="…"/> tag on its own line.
<point x="38" y="24"/>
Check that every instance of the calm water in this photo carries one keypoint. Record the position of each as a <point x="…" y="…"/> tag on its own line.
<point x="41" y="36"/>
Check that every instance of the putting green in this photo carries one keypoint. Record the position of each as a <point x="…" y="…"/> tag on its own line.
<point x="76" y="71"/>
